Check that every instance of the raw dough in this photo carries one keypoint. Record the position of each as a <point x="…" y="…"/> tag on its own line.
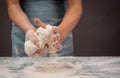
<point x="30" y="48"/>
<point x="45" y="36"/>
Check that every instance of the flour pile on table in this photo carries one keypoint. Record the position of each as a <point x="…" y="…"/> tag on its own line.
<point x="51" y="70"/>
<point x="59" y="67"/>
<point x="45" y="36"/>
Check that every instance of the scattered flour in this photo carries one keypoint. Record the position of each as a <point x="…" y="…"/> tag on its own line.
<point x="51" y="70"/>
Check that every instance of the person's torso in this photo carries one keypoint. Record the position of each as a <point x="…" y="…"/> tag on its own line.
<point x="49" y="11"/>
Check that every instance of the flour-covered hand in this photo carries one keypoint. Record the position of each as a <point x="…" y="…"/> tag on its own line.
<point x="32" y="47"/>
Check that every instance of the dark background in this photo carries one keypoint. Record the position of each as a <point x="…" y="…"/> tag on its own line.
<point x="97" y="34"/>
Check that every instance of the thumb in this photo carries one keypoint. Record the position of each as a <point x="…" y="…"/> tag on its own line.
<point x="38" y="22"/>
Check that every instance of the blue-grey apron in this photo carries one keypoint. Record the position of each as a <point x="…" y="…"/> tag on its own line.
<point x="49" y="11"/>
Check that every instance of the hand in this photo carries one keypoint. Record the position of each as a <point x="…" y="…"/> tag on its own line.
<point x="57" y="39"/>
<point x="31" y="37"/>
<point x="32" y="44"/>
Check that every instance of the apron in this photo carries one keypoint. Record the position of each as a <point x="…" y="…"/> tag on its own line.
<point x="49" y="11"/>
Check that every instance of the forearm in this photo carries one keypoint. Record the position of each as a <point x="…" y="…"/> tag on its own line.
<point x="17" y="15"/>
<point x="70" y="19"/>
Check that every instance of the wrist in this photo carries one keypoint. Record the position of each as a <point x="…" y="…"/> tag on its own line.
<point x="62" y="33"/>
<point x="29" y="29"/>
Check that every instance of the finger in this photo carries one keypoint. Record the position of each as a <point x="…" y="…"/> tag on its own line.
<point x="58" y="36"/>
<point x="55" y="29"/>
<point x="41" y="52"/>
<point x="57" y="45"/>
<point x="38" y="22"/>
<point x="55" y="38"/>
<point x="36" y="54"/>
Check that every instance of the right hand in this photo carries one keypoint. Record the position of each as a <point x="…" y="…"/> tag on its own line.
<point x="30" y="33"/>
<point x="32" y="38"/>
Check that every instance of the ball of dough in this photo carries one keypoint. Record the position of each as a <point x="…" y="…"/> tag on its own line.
<point x="30" y="48"/>
<point x="45" y="36"/>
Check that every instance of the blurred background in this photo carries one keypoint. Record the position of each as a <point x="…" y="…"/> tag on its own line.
<point x="97" y="33"/>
